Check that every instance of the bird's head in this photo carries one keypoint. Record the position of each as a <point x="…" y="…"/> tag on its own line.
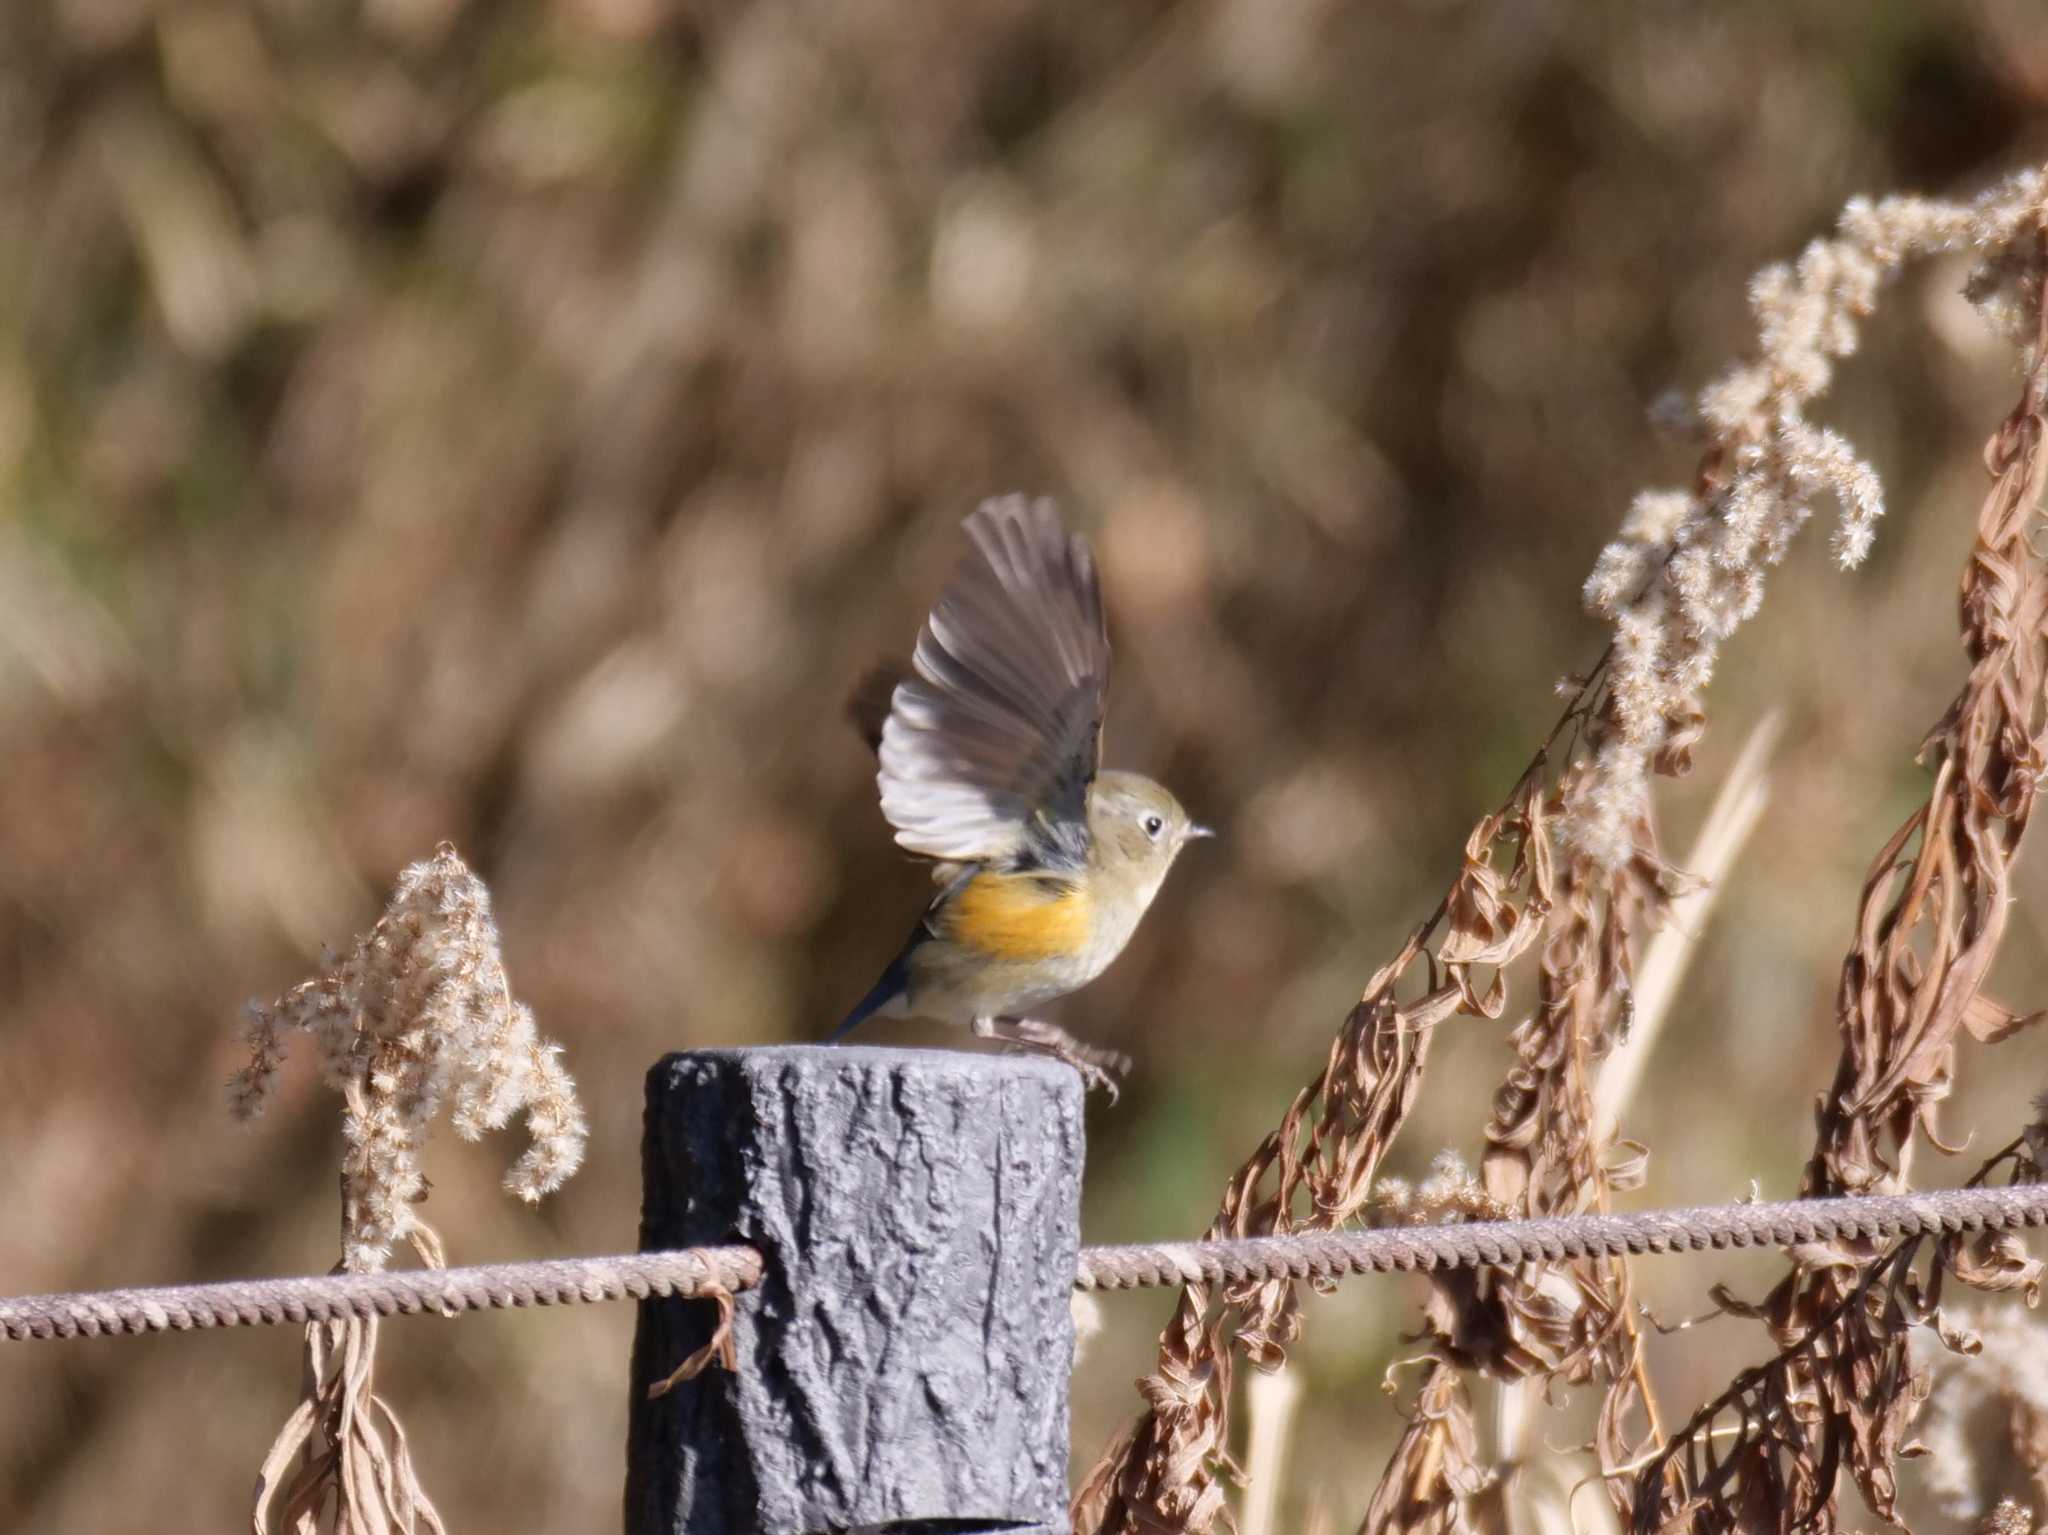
<point x="1138" y="828"/>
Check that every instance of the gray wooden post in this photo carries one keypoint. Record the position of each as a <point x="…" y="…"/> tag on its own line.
<point x="903" y="1367"/>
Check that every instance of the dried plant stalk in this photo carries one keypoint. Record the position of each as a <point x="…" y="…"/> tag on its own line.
<point x="1736" y="810"/>
<point x="420" y="1016"/>
<point x="1778" y="1468"/>
<point x="1933" y="911"/>
<point x="1581" y="873"/>
<point x="1436" y="1473"/>
<point x="1575" y="1321"/>
<point x="355" y="1470"/>
<point x="1550" y="1150"/>
<point x="1318" y="1169"/>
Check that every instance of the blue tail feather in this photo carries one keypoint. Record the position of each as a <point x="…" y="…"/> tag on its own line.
<point x="892" y="984"/>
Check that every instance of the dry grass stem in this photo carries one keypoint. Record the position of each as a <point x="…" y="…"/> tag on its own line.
<point x="1736" y="809"/>
<point x="1270" y="1403"/>
<point x="1569" y="868"/>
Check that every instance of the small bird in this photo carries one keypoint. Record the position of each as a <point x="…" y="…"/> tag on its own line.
<point x="991" y="765"/>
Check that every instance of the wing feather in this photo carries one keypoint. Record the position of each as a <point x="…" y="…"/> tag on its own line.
<point x="991" y="746"/>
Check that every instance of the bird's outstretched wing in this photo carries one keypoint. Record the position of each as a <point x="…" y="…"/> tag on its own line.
<point x="988" y="751"/>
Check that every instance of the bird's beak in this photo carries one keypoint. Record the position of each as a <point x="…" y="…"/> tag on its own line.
<point x="1200" y="831"/>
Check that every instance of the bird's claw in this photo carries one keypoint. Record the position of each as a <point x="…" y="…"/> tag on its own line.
<point x="1098" y="1067"/>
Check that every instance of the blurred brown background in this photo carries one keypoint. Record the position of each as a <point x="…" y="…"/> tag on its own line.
<point x="522" y="423"/>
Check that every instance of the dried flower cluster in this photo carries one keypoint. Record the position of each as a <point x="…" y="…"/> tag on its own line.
<point x="1449" y="1193"/>
<point x="1688" y="567"/>
<point x="1571" y="860"/>
<point x="417" y="1018"/>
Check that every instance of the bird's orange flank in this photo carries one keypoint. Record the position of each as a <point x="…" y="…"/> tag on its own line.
<point x="1019" y="916"/>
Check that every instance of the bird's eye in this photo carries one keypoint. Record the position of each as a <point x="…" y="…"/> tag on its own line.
<point x="1154" y="825"/>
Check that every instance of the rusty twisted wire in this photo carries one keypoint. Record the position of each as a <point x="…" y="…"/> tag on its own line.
<point x="1510" y="1244"/>
<point x="1310" y="1255"/>
<point x="402" y="1292"/>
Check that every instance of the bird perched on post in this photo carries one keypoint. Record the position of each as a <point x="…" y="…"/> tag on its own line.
<point x="991" y="765"/>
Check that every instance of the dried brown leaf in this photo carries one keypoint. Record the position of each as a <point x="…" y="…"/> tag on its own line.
<point x="1990" y="1021"/>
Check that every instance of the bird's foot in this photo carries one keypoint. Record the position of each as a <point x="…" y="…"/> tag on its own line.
<point x="1098" y="1067"/>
